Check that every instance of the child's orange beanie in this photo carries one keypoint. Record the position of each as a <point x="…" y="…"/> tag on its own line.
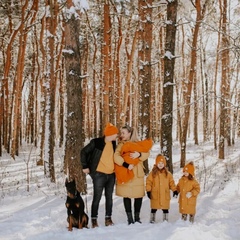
<point x="160" y="158"/>
<point x="189" y="168"/>
<point x="110" y="130"/>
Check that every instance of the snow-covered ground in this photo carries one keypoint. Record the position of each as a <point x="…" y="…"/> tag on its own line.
<point x="41" y="213"/>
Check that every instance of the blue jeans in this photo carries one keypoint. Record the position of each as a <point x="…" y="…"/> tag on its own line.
<point x="106" y="182"/>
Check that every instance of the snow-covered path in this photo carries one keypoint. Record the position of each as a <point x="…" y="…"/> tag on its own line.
<point x="41" y="214"/>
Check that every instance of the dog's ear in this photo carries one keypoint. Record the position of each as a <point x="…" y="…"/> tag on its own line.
<point x="66" y="181"/>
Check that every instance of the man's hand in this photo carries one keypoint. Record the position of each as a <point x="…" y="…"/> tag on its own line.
<point x="86" y="170"/>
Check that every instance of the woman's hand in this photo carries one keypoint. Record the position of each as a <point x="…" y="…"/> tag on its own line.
<point x="131" y="166"/>
<point x="135" y="155"/>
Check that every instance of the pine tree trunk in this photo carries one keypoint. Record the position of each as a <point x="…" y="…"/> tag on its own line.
<point x="167" y="100"/>
<point x="145" y="75"/>
<point x="192" y="72"/>
<point x="51" y="23"/>
<point x="106" y="56"/>
<point x="215" y="88"/>
<point x="42" y="104"/>
<point x="224" y="84"/>
<point x="126" y="97"/>
<point x="74" y="140"/>
<point x="195" y="97"/>
<point x="6" y="111"/>
<point x="16" y="124"/>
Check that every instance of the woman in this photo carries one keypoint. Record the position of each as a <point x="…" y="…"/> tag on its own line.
<point x="129" y="156"/>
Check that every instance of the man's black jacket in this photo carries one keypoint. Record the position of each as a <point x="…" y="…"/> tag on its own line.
<point x="91" y="154"/>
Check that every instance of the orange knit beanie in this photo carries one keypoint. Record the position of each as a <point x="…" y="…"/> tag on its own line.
<point x="110" y="130"/>
<point x="189" y="168"/>
<point x="160" y="158"/>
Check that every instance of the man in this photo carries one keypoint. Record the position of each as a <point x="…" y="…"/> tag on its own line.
<point x="97" y="160"/>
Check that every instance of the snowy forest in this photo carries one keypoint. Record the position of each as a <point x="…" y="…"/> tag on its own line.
<point x="67" y="67"/>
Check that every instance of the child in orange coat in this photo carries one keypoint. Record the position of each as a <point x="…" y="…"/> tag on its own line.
<point x="189" y="188"/>
<point x="158" y="185"/>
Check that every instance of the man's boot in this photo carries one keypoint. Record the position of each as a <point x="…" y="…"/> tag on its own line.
<point x="108" y="221"/>
<point x="130" y="218"/>
<point x="152" y="217"/>
<point x="137" y="217"/>
<point x="94" y="223"/>
<point x="191" y="218"/>
<point x="165" y="217"/>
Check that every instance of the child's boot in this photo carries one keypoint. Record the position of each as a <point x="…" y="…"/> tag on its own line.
<point x="152" y="217"/>
<point x="191" y="218"/>
<point x="184" y="217"/>
<point x="165" y="217"/>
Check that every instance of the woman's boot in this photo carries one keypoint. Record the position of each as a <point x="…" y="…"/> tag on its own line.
<point x="137" y="217"/>
<point x="130" y="218"/>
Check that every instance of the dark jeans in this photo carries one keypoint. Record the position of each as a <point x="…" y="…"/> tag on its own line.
<point x="128" y="204"/>
<point x="106" y="182"/>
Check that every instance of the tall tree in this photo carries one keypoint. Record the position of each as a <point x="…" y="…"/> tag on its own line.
<point x="51" y="26"/>
<point x="26" y="17"/>
<point x="145" y="67"/>
<point x="144" y="54"/>
<point x="215" y="86"/>
<point x="167" y="98"/>
<point x="42" y="92"/>
<point x="74" y="140"/>
<point x="106" y="58"/>
<point x="224" y="81"/>
<point x="5" y="94"/>
<point x="188" y="94"/>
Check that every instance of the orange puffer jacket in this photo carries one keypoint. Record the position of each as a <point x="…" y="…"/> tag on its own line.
<point x="123" y="174"/>
<point x="160" y="187"/>
<point x="187" y="205"/>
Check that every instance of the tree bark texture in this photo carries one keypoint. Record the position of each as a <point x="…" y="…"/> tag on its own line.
<point x="144" y="53"/>
<point x="74" y="141"/>
<point x="224" y="85"/>
<point x="167" y="99"/>
<point x="188" y="95"/>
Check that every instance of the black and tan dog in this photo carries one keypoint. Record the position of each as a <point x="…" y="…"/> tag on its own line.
<point x="75" y="207"/>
